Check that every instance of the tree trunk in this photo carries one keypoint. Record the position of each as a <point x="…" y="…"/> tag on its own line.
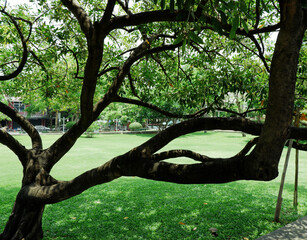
<point x="282" y="82"/>
<point x="24" y="223"/>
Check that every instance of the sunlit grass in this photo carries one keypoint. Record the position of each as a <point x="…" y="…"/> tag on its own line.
<point x="134" y="208"/>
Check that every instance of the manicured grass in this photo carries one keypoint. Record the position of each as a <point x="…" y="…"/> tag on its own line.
<point x="134" y="208"/>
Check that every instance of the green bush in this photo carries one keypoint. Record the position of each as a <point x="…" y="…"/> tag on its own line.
<point x="70" y="124"/>
<point x="90" y="131"/>
<point x="135" y="126"/>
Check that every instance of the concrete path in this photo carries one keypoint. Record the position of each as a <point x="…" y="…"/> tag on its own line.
<point x="293" y="231"/>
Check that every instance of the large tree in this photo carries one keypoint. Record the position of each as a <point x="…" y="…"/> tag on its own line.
<point x="104" y="52"/>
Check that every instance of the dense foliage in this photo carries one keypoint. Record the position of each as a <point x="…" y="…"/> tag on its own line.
<point x="179" y="59"/>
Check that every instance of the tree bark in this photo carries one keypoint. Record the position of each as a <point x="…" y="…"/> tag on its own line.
<point x="24" y="223"/>
<point x="276" y="129"/>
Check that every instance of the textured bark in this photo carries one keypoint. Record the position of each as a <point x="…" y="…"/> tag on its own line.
<point x="25" y="223"/>
<point x="39" y="188"/>
<point x="282" y="81"/>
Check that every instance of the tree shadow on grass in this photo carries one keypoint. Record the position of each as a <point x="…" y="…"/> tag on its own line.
<point x="132" y="208"/>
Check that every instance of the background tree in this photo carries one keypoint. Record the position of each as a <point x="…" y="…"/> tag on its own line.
<point x="146" y="53"/>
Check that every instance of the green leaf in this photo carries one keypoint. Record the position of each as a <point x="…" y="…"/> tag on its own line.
<point x="188" y="4"/>
<point x="264" y="5"/>
<point x="257" y="3"/>
<point x="172" y="5"/>
<point x="155" y="1"/>
<point x="197" y="27"/>
<point x="245" y="26"/>
<point x="179" y="4"/>
<point x="178" y="39"/>
<point x="181" y="16"/>
<point x="184" y="45"/>
<point x="217" y="26"/>
<point x="235" y="25"/>
<point x="162" y="4"/>
<point x="223" y="16"/>
<point x="243" y="6"/>
<point x="196" y="38"/>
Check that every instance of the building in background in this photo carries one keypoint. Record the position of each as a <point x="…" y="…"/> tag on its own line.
<point x="39" y="118"/>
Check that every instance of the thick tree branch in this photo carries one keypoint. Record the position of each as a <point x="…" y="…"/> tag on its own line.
<point x="212" y="172"/>
<point x="108" y="12"/>
<point x="59" y="191"/>
<point x="141" y="162"/>
<point x="124" y="7"/>
<point x="7" y="140"/>
<point x="82" y="17"/>
<point x="247" y="147"/>
<point x="281" y="88"/>
<point x="24" y="123"/>
<point x="144" y="165"/>
<point x="180" y="153"/>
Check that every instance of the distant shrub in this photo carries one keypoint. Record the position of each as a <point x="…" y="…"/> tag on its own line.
<point x="135" y="126"/>
<point x="70" y="124"/>
<point x="90" y="131"/>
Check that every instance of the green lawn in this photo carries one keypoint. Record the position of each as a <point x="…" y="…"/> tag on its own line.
<point x="134" y="208"/>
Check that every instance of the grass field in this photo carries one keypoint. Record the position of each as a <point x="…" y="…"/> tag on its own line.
<point x="134" y="208"/>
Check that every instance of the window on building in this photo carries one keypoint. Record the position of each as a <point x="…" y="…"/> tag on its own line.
<point x="19" y="106"/>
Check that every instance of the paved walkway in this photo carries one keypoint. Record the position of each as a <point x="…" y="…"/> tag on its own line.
<point x="293" y="231"/>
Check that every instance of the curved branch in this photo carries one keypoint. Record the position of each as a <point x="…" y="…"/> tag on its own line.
<point x="7" y="140"/>
<point x="129" y="164"/>
<point x="243" y="114"/>
<point x="132" y="87"/>
<point x="24" y="46"/>
<point x="180" y="153"/>
<point x="140" y="162"/>
<point x="200" y="124"/>
<point x="24" y="123"/>
<point x="104" y="71"/>
<point x="247" y="147"/>
<point x="172" y="16"/>
<point x="142" y="50"/>
<point x="197" y="156"/>
<point x="77" y="63"/>
<point x="59" y="191"/>
<point x="64" y="144"/>
<point x="41" y="64"/>
<point x="162" y="67"/>
<point x="212" y="172"/>
<point x="124" y="7"/>
<point x="260" y="55"/>
<point x="147" y="105"/>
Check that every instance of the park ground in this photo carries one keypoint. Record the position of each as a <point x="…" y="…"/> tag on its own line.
<point x="134" y="208"/>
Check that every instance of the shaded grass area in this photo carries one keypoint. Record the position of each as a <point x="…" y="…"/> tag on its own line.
<point x="134" y="208"/>
<point x="137" y="209"/>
